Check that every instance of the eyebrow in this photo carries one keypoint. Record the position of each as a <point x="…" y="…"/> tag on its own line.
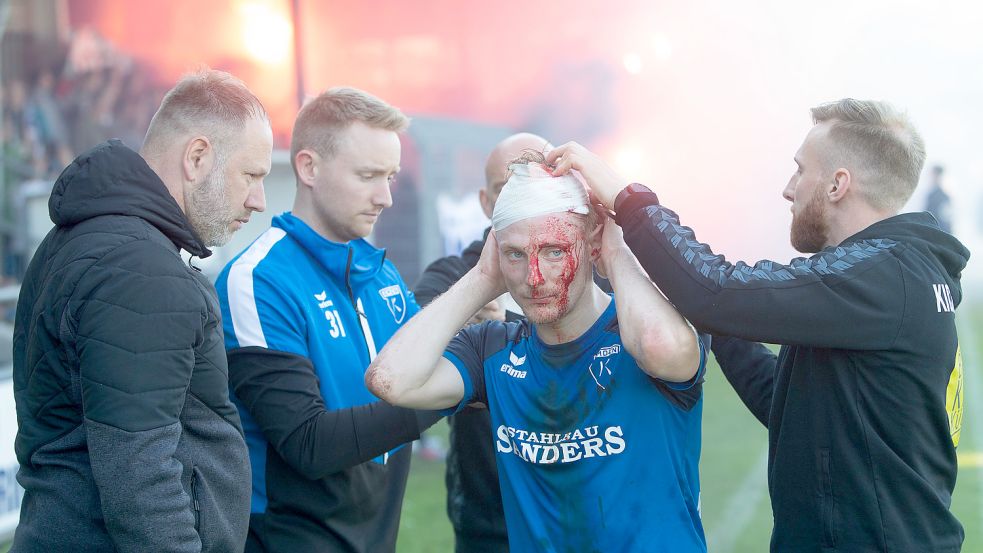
<point x="375" y="170"/>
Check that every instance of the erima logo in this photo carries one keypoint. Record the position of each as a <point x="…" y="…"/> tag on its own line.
<point x="516" y="362"/>
<point x="943" y="298"/>
<point x="322" y="300"/>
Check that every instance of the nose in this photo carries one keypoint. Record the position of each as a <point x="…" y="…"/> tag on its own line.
<point x="789" y="192"/>
<point x="383" y="196"/>
<point x="256" y="200"/>
<point x="534" y="277"/>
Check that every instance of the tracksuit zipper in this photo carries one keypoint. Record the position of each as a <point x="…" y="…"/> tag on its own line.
<point x="362" y="318"/>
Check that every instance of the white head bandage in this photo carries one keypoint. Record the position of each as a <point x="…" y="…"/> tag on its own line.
<point x="532" y="191"/>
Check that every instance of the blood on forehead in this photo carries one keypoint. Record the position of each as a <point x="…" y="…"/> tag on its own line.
<point x="557" y="230"/>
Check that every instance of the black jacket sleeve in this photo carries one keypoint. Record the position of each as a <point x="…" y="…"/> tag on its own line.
<point x="438" y="277"/>
<point x="750" y="369"/>
<point x="847" y="297"/>
<point x="280" y="391"/>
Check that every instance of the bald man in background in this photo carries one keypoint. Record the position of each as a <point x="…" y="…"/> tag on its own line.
<point x="474" y="501"/>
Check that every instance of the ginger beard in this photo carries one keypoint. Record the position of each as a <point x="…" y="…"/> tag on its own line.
<point x="541" y="261"/>
<point x="809" y="227"/>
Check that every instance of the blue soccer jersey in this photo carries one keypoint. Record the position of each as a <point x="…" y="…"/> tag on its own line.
<point x="593" y="454"/>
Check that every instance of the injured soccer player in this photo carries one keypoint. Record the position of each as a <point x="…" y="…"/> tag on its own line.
<point x="595" y="399"/>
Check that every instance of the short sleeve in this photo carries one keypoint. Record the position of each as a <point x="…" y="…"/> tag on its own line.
<point x="686" y="394"/>
<point x="468" y="351"/>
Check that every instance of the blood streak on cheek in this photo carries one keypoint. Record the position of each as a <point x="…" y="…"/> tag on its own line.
<point x="557" y="232"/>
<point x="570" y="264"/>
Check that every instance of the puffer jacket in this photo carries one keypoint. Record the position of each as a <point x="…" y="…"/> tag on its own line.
<point x="127" y="439"/>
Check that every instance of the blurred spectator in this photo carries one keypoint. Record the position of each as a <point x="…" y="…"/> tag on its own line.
<point x="55" y="110"/>
<point x="100" y="94"/>
<point x="46" y="126"/>
<point x="938" y="202"/>
<point x="17" y="168"/>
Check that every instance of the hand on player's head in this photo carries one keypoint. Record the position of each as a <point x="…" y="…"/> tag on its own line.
<point x="602" y="181"/>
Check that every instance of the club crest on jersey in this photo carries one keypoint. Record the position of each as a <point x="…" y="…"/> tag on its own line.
<point x="599" y="368"/>
<point x="395" y="300"/>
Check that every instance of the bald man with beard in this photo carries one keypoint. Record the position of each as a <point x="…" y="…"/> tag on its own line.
<point x="474" y="501"/>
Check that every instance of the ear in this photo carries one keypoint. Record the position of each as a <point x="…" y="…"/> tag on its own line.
<point x="594" y="239"/>
<point x="486" y="204"/>
<point x="306" y="163"/>
<point x="841" y="185"/>
<point x="198" y="158"/>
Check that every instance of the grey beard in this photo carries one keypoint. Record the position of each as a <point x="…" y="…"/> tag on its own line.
<point x="208" y="211"/>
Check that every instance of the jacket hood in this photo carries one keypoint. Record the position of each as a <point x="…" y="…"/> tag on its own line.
<point x="922" y="231"/>
<point x="112" y="179"/>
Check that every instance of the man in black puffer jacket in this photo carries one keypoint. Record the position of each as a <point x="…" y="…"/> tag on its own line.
<point x="126" y="438"/>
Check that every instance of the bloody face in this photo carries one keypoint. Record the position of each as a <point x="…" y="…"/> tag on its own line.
<point x="546" y="264"/>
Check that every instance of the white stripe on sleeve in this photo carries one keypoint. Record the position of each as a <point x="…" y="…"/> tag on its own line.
<point x="242" y="302"/>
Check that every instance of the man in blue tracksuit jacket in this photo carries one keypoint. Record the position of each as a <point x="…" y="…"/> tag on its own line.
<point x="305" y="309"/>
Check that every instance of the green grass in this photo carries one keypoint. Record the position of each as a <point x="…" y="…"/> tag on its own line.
<point x="967" y="499"/>
<point x="733" y="442"/>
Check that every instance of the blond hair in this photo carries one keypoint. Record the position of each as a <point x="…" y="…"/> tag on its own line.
<point x="208" y="102"/>
<point x="878" y="144"/>
<point x="322" y="119"/>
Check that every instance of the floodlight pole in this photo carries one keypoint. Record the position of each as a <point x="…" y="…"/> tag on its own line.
<point x="298" y="52"/>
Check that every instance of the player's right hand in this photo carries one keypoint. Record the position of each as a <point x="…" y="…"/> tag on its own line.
<point x="489" y="269"/>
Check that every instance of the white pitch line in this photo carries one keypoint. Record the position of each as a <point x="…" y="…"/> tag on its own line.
<point x="974" y="402"/>
<point x="743" y="504"/>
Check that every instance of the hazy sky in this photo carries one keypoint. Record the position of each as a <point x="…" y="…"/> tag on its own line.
<point x="706" y="101"/>
<point x="739" y="79"/>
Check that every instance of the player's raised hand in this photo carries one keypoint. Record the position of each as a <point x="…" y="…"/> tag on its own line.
<point x="489" y="270"/>
<point x="612" y="246"/>
<point x="604" y="183"/>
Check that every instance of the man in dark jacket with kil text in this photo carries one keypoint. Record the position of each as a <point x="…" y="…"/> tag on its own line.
<point x="863" y="404"/>
<point x="127" y="439"/>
